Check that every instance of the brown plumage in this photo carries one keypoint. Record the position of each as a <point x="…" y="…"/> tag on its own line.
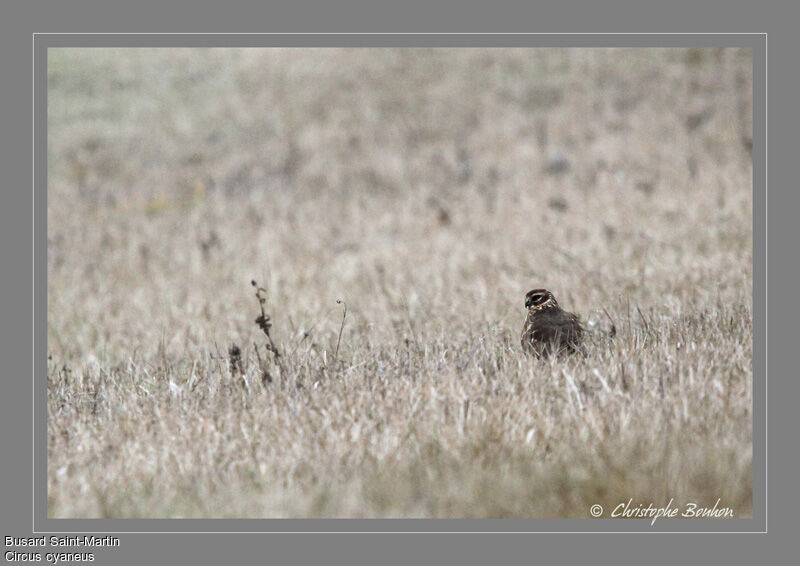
<point x="548" y="328"/>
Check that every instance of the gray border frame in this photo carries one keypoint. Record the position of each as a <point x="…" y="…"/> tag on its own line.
<point x="758" y="523"/>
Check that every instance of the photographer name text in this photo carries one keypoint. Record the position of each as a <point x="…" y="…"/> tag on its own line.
<point x="628" y="510"/>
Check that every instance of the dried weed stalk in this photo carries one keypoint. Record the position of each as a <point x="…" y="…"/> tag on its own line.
<point x="264" y="323"/>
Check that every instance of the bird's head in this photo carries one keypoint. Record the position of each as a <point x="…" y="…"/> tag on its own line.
<point x="539" y="299"/>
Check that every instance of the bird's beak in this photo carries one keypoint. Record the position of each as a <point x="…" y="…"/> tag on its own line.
<point x="527" y="303"/>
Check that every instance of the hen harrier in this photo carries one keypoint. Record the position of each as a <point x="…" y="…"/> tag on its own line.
<point x="548" y="328"/>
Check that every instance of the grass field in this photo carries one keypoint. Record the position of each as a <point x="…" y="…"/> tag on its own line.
<point x="427" y="190"/>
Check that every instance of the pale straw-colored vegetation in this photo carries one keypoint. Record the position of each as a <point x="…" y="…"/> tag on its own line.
<point x="427" y="190"/>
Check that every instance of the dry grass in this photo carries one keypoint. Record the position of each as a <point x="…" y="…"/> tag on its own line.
<point x="428" y="190"/>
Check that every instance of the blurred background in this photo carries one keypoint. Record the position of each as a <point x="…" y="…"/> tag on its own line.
<point x="432" y="183"/>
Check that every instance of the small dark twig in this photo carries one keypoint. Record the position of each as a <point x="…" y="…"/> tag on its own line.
<point x="264" y="320"/>
<point x="235" y="359"/>
<point x="341" y="328"/>
<point x="613" y="332"/>
<point x="266" y="376"/>
<point x="644" y="320"/>
<point x="264" y="323"/>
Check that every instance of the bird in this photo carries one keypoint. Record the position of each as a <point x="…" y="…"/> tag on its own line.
<point x="549" y="330"/>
